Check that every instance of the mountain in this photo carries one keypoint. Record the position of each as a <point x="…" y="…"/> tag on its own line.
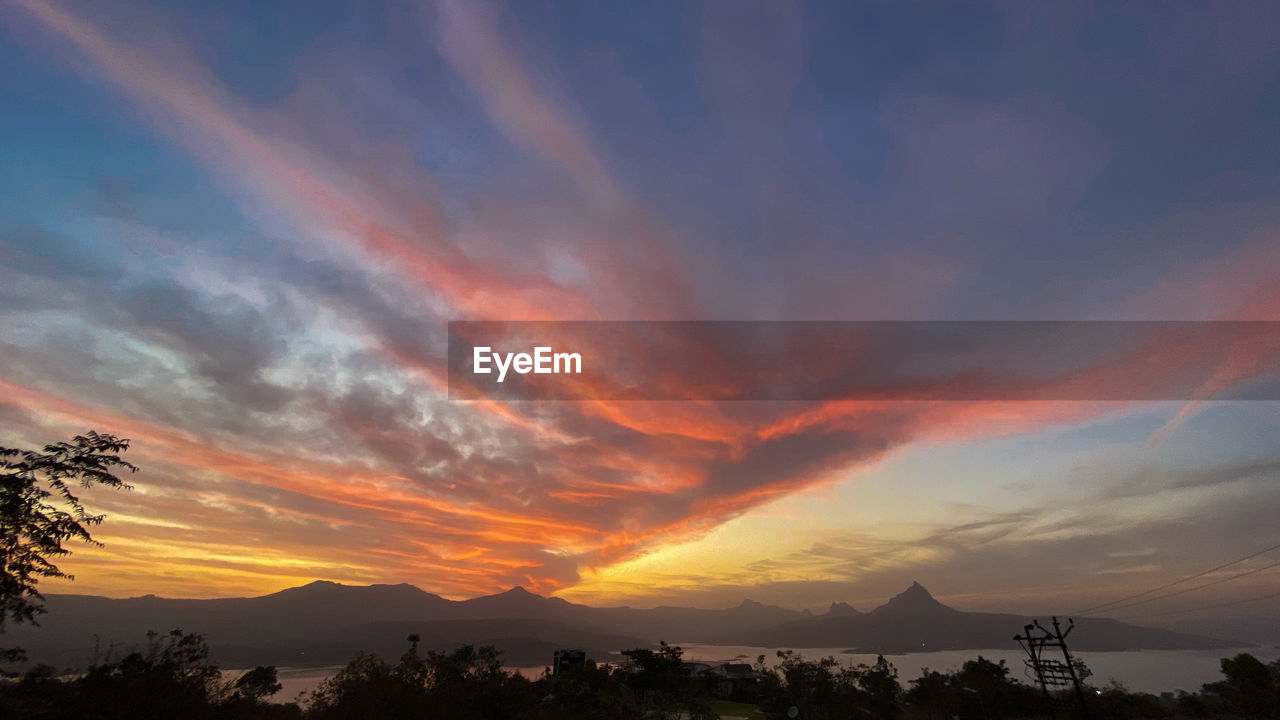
<point x="524" y="642"/>
<point x="325" y="623"/>
<point x="840" y="609"/>
<point x="321" y="623"/>
<point x="911" y="603"/>
<point x="295" y="611"/>
<point x="683" y="624"/>
<point x="518" y="603"/>
<point x="914" y="621"/>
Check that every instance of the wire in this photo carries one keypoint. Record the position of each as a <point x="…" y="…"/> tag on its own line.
<point x="1177" y="582"/>
<point x="1193" y="589"/>
<point x="1202" y="607"/>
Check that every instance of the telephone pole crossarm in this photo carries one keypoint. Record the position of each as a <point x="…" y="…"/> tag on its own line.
<point x="1051" y="671"/>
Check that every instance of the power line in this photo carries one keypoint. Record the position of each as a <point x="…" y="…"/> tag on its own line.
<point x="1203" y="607"/>
<point x="1219" y="581"/>
<point x="1178" y="582"/>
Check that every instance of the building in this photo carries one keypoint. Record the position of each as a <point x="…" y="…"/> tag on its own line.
<point x="731" y="678"/>
<point x="563" y="660"/>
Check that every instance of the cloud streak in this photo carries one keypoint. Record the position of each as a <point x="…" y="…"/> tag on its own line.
<point x="289" y="408"/>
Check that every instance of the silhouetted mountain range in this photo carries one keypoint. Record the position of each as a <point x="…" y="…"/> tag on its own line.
<point x="914" y="621"/>
<point x="325" y="623"/>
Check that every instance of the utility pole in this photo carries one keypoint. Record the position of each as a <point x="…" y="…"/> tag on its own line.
<point x="1051" y="671"/>
<point x="1033" y="647"/>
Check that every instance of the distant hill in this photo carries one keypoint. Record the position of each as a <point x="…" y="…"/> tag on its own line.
<point x="318" y="624"/>
<point x="525" y="643"/>
<point x="726" y="627"/>
<point x="840" y="609"/>
<point x="325" y="623"/>
<point x="913" y="621"/>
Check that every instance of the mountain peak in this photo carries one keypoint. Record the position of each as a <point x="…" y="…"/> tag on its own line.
<point x="514" y="596"/>
<point x="914" y="599"/>
<point x="841" y="609"/>
<point x="315" y="586"/>
<point x="916" y="592"/>
<point x="321" y="584"/>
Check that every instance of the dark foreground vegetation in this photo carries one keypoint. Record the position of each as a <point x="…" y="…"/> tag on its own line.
<point x="172" y="677"/>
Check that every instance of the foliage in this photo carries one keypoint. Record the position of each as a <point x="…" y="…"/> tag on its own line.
<point x="39" y="512"/>
<point x="980" y="689"/>
<point x="466" y="683"/>
<point x="590" y="692"/>
<point x="170" y="677"/>
<point x="1116" y="702"/>
<point x="824" y="689"/>
<point x="257" y="684"/>
<point x="661" y="680"/>
<point x="657" y="670"/>
<point x="1251" y="688"/>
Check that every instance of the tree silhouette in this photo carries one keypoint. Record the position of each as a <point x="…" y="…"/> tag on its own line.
<point x="39" y="512"/>
<point x="258" y="684"/>
<point x="1251" y="687"/>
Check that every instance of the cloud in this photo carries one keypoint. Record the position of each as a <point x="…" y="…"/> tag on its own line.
<point x="1034" y="560"/>
<point x="1159" y="480"/>
<point x="287" y="402"/>
<point x="468" y="37"/>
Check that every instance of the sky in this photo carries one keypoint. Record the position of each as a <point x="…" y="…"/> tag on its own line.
<point x="234" y="233"/>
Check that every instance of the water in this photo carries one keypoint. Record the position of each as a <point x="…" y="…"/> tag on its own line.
<point x="1153" y="671"/>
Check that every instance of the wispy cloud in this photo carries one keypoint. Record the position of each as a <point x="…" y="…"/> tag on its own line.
<point x="285" y="391"/>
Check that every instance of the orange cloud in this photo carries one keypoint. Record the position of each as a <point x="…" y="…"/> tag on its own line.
<point x="534" y="492"/>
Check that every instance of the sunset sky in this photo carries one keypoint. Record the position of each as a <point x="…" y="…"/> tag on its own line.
<point x="234" y="233"/>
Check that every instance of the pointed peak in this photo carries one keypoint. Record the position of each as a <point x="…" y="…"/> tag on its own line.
<point x="516" y="594"/>
<point x="914" y="599"/>
<point x="915" y="593"/>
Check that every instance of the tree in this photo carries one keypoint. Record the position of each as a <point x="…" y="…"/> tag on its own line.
<point x="879" y="683"/>
<point x="987" y="689"/>
<point x="468" y="683"/>
<point x="39" y="512"/>
<point x="258" y="684"/>
<point x="663" y="683"/>
<point x="933" y="692"/>
<point x="657" y="670"/>
<point x="1251" y="688"/>
<point x="589" y="692"/>
<point x="171" y="676"/>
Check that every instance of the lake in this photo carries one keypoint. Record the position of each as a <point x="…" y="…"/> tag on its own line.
<point x="1152" y="671"/>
